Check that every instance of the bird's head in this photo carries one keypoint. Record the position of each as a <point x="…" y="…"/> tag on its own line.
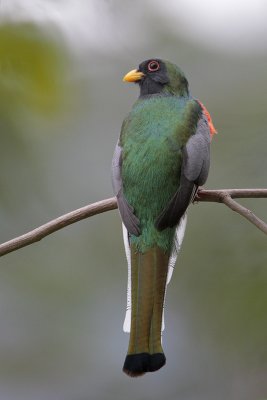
<point x="156" y="76"/>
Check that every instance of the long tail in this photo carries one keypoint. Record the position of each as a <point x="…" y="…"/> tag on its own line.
<point x="148" y="275"/>
<point x="148" y="282"/>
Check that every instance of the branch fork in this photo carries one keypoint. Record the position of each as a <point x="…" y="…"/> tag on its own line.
<point x="226" y="196"/>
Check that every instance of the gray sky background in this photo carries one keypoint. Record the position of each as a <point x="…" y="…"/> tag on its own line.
<point x="238" y="26"/>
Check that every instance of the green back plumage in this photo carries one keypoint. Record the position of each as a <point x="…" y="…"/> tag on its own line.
<point x="152" y="138"/>
<point x="178" y="84"/>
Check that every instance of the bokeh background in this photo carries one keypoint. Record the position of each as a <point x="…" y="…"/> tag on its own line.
<point x="62" y="102"/>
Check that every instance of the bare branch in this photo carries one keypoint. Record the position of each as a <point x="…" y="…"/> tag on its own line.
<point x="245" y="212"/>
<point x="216" y="195"/>
<point x="226" y="196"/>
<point x="57" y="224"/>
<point x="220" y="196"/>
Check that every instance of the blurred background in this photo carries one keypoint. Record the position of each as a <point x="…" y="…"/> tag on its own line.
<point x="62" y="102"/>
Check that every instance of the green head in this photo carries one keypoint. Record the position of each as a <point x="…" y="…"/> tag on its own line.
<point x="156" y="76"/>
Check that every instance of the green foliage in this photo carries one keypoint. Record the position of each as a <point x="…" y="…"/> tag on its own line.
<point x="33" y="88"/>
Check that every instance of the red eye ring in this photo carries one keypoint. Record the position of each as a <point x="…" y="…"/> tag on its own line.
<point x="153" y="66"/>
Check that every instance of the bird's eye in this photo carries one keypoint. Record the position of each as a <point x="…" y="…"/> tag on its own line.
<point x="153" y="66"/>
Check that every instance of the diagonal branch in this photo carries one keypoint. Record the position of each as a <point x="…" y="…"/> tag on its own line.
<point x="220" y="196"/>
<point x="226" y="196"/>
<point x="245" y="212"/>
<point x="57" y="224"/>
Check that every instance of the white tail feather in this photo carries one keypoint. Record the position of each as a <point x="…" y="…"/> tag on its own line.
<point x="127" y="319"/>
<point x="178" y="240"/>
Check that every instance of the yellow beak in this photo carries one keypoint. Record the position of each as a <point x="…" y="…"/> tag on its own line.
<point x="133" y="76"/>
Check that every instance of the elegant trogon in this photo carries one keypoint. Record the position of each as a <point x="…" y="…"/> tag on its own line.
<point x="162" y="156"/>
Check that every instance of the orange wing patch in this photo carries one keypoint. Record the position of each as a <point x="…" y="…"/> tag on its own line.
<point x="210" y="123"/>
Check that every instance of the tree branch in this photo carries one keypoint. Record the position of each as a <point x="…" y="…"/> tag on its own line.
<point x="225" y="196"/>
<point x="57" y="224"/>
<point x="245" y="212"/>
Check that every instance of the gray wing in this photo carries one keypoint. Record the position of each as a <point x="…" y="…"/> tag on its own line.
<point x="128" y="217"/>
<point x="194" y="172"/>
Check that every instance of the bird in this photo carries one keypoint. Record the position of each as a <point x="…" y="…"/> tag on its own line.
<point x="161" y="158"/>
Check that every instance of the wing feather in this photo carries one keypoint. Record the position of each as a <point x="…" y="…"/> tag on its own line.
<point x="194" y="172"/>
<point x="128" y="217"/>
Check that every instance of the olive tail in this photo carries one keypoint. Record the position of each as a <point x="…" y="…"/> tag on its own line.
<point x="148" y="283"/>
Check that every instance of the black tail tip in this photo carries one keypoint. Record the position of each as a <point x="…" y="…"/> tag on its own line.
<point x="156" y="361"/>
<point x="138" y="364"/>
